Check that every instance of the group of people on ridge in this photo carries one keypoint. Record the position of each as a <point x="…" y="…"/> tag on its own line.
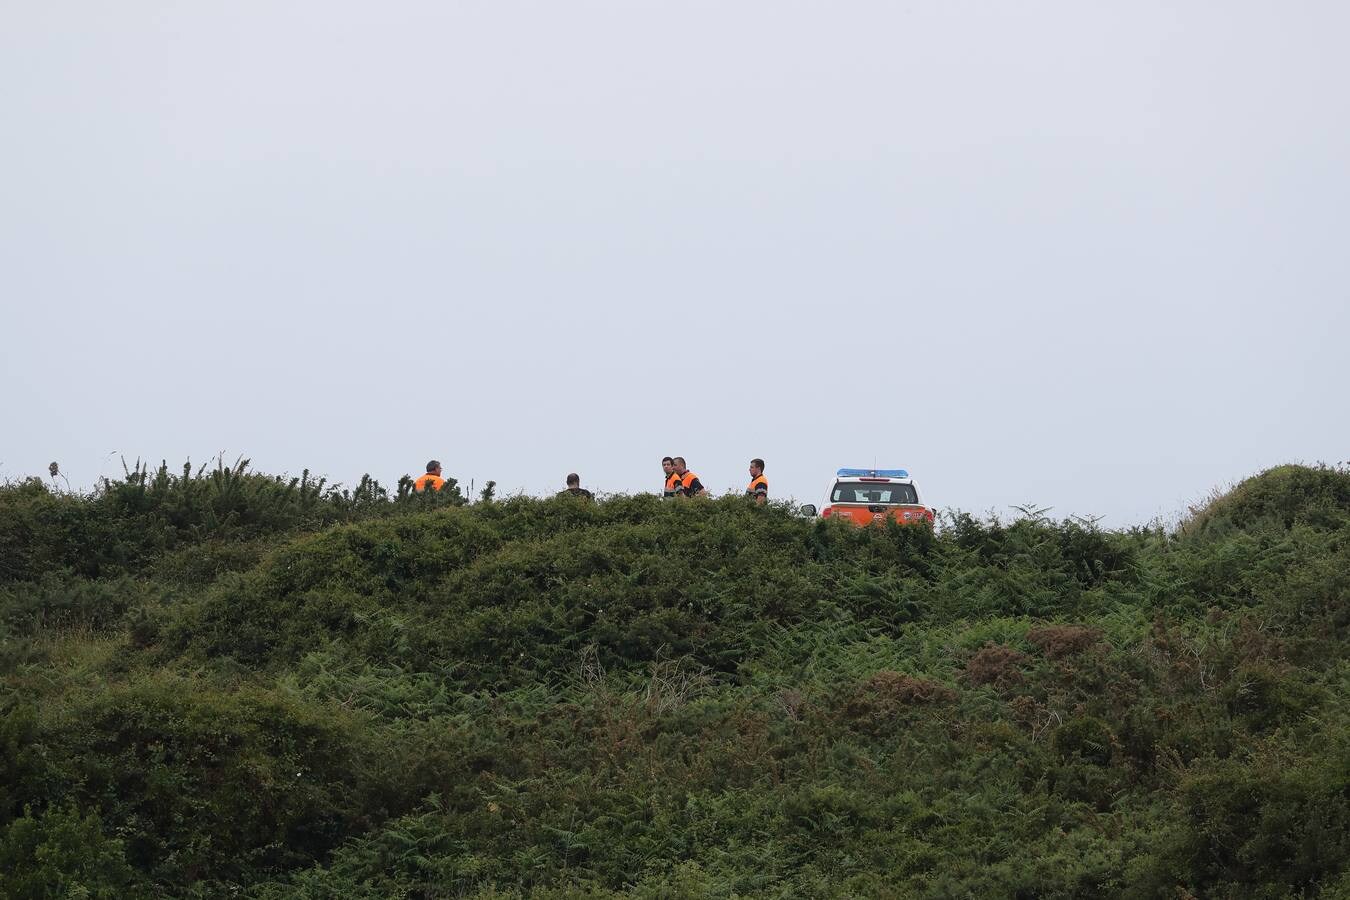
<point x="680" y="482"/>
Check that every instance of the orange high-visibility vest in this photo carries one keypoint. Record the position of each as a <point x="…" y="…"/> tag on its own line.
<point x="436" y="482"/>
<point x="672" y="482"/>
<point x="758" y="482"/>
<point x="687" y="481"/>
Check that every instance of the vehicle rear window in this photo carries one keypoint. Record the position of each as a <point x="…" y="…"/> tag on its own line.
<point x="854" y="492"/>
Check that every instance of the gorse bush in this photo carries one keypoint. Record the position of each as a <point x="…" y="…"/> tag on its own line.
<point x="129" y="521"/>
<point x="62" y="854"/>
<point x="220" y="684"/>
<point x="1283" y="496"/>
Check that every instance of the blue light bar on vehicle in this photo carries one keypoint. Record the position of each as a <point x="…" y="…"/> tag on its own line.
<point x="872" y="473"/>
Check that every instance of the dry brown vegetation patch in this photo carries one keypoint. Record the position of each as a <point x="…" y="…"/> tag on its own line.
<point x="1057" y="641"/>
<point x="995" y="664"/>
<point x="884" y="695"/>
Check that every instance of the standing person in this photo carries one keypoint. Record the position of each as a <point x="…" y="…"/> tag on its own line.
<point x="574" y="488"/>
<point x="432" y="479"/>
<point x="689" y="485"/>
<point x="759" y="485"/>
<point x="672" y="480"/>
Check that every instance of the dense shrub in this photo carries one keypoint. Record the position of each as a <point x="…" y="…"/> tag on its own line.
<point x="126" y="522"/>
<point x="1283" y="496"/>
<point x="1087" y="739"/>
<point x="200" y="782"/>
<point x="1250" y="826"/>
<point x="61" y="853"/>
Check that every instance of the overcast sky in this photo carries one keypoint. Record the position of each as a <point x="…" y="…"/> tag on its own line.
<point x="1088" y="256"/>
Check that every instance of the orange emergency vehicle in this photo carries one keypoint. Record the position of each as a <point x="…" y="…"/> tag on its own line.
<point x="865" y="496"/>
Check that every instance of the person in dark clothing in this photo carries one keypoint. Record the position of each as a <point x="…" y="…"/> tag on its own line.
<point x="574" y="488"/>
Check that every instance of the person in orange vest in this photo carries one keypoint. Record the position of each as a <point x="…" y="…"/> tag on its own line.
<point x="759" y="485"/>
<point x="432" y="479"/>
<point x="672" y="480"/>
<point x="689" y="485"/>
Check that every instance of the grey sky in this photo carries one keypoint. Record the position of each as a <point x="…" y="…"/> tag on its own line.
<point x="1084" y="255"/>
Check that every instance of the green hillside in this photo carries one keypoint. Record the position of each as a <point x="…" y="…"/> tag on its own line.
<point x="222" y="684"/>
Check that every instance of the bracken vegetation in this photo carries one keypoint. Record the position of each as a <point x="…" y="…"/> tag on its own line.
<point x="222" y="684"/>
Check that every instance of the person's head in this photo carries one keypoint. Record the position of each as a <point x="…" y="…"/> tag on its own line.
<point x="756" y="467"/>
<point x="434" y="467"/>
<point x="667" y="464"/>
<point x="679" y="465"/>
<point x="574" y="480"/>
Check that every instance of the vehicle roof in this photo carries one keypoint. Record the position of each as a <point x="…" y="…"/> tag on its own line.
<point x="858" y="474"/>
